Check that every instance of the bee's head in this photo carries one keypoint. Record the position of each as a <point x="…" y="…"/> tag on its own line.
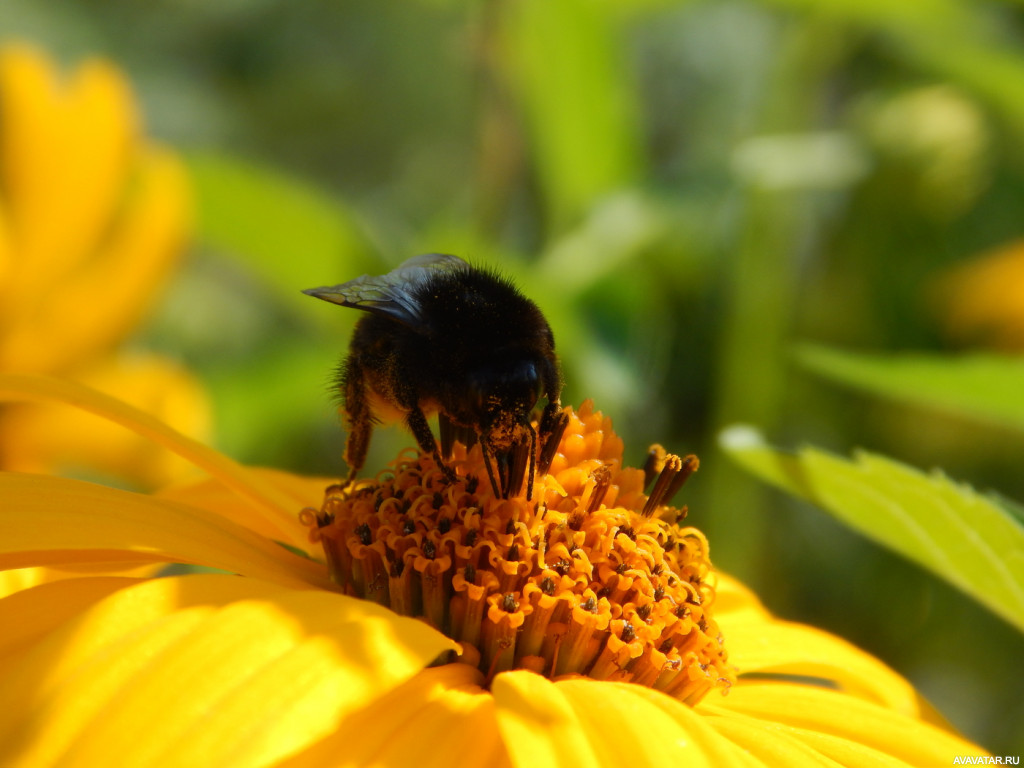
<point x="504" y="395"/>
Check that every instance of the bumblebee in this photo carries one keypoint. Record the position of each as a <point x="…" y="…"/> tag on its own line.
<point x="441" y="336"/>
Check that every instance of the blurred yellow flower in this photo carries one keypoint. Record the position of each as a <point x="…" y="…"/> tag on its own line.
<point x="93" y="219"/>
<point x="982" y="301"/>
<point x="269" y="662"/>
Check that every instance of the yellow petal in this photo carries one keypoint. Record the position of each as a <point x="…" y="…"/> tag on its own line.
<point x="64" y="153"/>
<point x="93" y="220"/>
<point x="269" y="503"/>
<point x="586" y="722"/>
<point x="736" y="600"/>
<point x="780" y="647"/>
<point x="6" y="257"/>
<point x="759" y="643"/>
<point x="31" y="613"/>
<point x="302" y="491"/>
<point x="441" y="717"/>
<point x="203" y="670"/>
<point x="840" y="726"/>
<point x="54" y="438"/>
<point x="775" y="746"/>
<point x="538" y="723"/>
<point x="16" y="579"/>
<point x="78" y="314"/>
<point x="55" y="521"/>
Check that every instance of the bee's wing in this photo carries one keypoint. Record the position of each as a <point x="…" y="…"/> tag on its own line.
<point x="394" y="294"/>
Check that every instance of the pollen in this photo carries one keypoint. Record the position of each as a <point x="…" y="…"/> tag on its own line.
<point x="589" y="578"/>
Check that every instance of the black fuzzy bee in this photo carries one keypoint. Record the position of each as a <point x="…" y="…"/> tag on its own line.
<point x="443" y="336"/>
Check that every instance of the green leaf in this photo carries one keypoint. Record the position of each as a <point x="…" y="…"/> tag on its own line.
<point x="567" y="63"/>
<point x="292" y="234"/>
<point x="973" y="541"/>
<point x="982" y="387"/>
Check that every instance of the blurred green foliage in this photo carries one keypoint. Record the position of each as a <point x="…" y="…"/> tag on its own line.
<point x="687" y="189"/>
<point x="981" y="386"/>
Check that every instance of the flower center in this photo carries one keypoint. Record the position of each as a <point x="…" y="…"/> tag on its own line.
<point x="584" y="579"/>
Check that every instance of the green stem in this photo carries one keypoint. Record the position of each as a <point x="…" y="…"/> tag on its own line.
<point x="761" y="295"/>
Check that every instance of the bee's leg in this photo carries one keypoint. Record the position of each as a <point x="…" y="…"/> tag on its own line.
<point x="447" y="430"/>
<point x="357" y="415"/>
<point x="506" y="472"/>
<point x="488" y="462"/>
<point x="452" y="433"/>
<point x="420" y="428"/>
<point x="552" y="426"/>
<point x="533" y="462"/>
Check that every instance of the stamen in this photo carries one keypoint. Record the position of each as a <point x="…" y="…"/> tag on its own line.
<point x="690" y="465"/>
<point x="468" y="607"/>
<point x="654" y="464"/>
<point x="543" y="604"/>
<point x="519" y="458"/>
<point x="673" y="473"/>
<point x="552" y="441"/>
<point x="578" y="651"/>
<point x="669" y="470"/>
<point x="499" y="632"/>
<point x="314" y="518"/>
<point x="621" y="650"/>
<point x="364" y="534"/>
<point x="602" y="477"/>
<point x="435" y="585"/>
<point x="574" y="582"/>
<point x="404" y="600"/>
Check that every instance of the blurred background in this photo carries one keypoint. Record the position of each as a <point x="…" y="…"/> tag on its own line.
<point x="688" y="190"/>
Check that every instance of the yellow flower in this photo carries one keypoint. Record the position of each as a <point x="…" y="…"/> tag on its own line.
<point x="983" y="299"/>
<point x="92" y="222"/>
<point x="267" y="662"/>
